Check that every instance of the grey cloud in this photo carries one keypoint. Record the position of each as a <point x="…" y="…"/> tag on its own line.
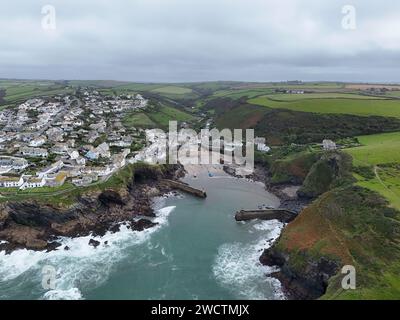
<point x="190" y="40"/>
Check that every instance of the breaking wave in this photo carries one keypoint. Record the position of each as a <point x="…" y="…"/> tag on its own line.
<point x="237" y="267"/>
<point x="79" y="268"/>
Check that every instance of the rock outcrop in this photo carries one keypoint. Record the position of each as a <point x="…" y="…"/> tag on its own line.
<point x="34" y="225"/>
<point x="308" y="283"/>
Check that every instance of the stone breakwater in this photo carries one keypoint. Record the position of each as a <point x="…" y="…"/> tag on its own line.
<point x="281" y="215"/>
<point x="185" y="188"/>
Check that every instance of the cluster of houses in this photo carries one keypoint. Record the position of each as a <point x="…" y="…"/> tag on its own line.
<point x="44" y="142"/>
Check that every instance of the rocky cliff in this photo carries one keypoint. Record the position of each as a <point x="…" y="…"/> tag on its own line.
<point x="344" y="226"/>
<point x="36" y="225"/>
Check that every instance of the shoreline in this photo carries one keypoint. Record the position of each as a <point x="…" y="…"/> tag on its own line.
<point x="33" y="226"/>
<point x="287" y="195"/>
<point x="113" y="211"/>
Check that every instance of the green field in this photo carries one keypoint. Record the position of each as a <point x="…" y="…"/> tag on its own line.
<point x="386" y="183"/>
<point x="366" y="106"/>
<point x="394" y="94"/>
<point x="381" y="152"/>
<point x="16" y="91"/>
<point x="173" y="90"/>
<point x="164" y="114"/>
<point x="325" y="95"/>
<point x="240" y="93"/>
<point x="377" y="149"/>
<point x="140" y="120"/>
<point x="300" y="86"/>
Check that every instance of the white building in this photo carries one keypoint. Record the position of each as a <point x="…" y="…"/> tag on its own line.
<point x="11" y="182"/>
<point x="14" y="163"/>
<point x="53" y="168"/>
<point x="34" y="152"/>
<point x="328" y="145"/>
<point x="33" y="182"/>
<point x="37" y="142"/>
<point x="103" y="150"/>
<point x="260" y="143"/>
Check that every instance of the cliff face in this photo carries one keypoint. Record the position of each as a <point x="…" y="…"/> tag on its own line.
<point x="344" y="226"/>
<point x="309" y="282"/>
<point x="34" y="225"/>
<point x="331" y="170"/>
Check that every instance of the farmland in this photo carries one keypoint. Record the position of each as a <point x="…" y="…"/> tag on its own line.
<point x="377" y="149"/>
<point x="16" y="91"/>
<point x="163" y="114"/>
<point x="173" y="90"/>
<point x="326" y="95"/>
<point x="140" y="120"/>
<point x="381" y="154"/>
<point x="364" y="106"/>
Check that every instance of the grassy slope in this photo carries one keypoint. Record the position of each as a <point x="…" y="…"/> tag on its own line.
<point x="349" y="225"/>
<point x="352" y="226"/>
<point x="377" y="149"/>
<point x="19" y="90"/>
<point x="140" y="120"/>
<point x="362" y="107"/>
<point x="163" y="114"/>
<point x="380" y="152"/>
<point x="325" y="95"/>
<point x="281" y="126"/>
<point x="173" y="90"/>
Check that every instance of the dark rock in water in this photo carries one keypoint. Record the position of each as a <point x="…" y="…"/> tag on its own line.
<point x="37" y="226"/>
<point x="66" y="248"/>
<point x="115" y="228"/>
<point x="94" y="243"/>
<point x="309" y="283"/>
<point x="52" y="246"/>
<point x="105" y="242"/>
<point x="109" y="197"/>
<point x="142" y="224"/>
<point x="272" y="257"/>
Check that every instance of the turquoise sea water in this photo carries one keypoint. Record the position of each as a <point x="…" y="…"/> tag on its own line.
<point x="198" y="251"/>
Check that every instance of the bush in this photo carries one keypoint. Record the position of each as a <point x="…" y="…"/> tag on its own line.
<point x="365" y="171"/>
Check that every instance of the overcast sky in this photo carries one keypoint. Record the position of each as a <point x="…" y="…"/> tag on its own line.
<point x="196" y="40"/>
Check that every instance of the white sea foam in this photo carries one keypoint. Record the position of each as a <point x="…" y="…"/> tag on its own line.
<point x="70" y="294"/>
<point x="238" y="269"/>
<point x="82" y="266"/>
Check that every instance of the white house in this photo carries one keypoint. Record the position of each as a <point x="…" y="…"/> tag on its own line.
<point x="103" y="150"/>
<point x="34" y="152"/>
<point x="11" y="182"/>
<point x="33" y="182"/>
<point x="260" y="143"/>
<point x="37" y="142"/>
<point x="73" y="154"/>
<point x="7" y="162"/>
<point x="53" y="168"/>
<point x="328" y="145"/>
